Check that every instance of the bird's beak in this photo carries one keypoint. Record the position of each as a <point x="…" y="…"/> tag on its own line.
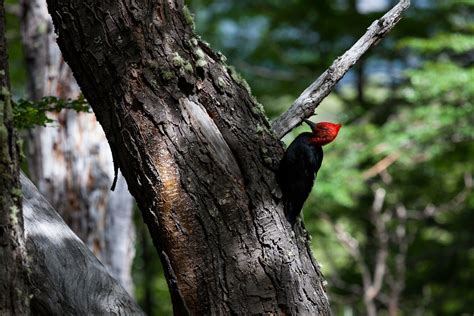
<point x="311" y="124"/>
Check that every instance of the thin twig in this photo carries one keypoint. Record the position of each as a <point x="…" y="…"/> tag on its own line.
<point x="381" y="165"/>
<point x="309" y="100"/>
<point x="352" y="247"/>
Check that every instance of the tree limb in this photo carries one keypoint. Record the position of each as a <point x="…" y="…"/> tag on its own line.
<point x="381" y="165"/>
<point x="66" y="278"/>
<point x="309" y="100"/>
<point x="352" y="247"/>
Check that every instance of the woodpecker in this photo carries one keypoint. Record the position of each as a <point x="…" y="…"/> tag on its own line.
<point x="300" y="165"/>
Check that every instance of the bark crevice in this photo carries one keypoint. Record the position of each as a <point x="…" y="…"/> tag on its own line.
<point x="198" y="155"/>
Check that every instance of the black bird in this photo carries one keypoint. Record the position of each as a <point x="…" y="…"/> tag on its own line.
<point x="300" y="165"/>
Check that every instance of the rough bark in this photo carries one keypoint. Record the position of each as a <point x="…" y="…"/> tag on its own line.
<point x="198" y="155"/>
<point x="14" y="296"/>
<point x="71" y="162"/>
<point x="66" y="278"/>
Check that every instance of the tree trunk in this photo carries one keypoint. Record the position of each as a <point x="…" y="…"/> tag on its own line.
<point x="66" y="278"/>
<point x="198" y="155"/>
<point x="14" y="296"/>
<point x="71" y="162"/>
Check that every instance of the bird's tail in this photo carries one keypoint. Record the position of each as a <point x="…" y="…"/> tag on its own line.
<point x="290" y="213"/>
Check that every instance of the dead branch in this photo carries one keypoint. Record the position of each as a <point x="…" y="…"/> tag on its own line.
<point x="381" y="165"/>
<point x="309" y="100"/>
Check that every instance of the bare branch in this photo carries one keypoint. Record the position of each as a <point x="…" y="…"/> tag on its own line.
<point x="396" y="279"/>
<point x="381" y="165"/>
<point x="352" y="247"/>
<point x="309" y="100"/>
<point x="336" y="280"/>
<point x="379" y="219"/>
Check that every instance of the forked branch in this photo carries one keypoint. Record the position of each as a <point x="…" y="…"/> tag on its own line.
<point x="309" y="100"/>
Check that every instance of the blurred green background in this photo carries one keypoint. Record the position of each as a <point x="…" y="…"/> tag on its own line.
<point x="396" y="186"/>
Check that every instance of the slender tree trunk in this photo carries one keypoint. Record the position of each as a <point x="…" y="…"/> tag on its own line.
<point x="14" y="296"/>
<point x="198" y="155"/>
<point x="71" y="162"/>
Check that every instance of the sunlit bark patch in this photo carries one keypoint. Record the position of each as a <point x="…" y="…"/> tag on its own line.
<point x="167" y="170"/>
<point x="177" y="220"/>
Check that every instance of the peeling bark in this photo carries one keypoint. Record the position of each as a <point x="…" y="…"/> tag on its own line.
<point x="198" y="155"/>
<point x="71" y="162"/>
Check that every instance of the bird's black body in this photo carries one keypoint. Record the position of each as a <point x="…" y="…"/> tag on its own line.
<point x="297" y="172"/>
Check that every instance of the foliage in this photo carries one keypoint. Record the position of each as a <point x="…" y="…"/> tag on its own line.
<point x="429" y="133"/>
<point x="28" y="114"/>
<point x="408" y="104"/>
<point x="455" y="42"/>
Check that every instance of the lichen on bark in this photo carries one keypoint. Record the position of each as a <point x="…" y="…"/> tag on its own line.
<point x="188" y="143"/>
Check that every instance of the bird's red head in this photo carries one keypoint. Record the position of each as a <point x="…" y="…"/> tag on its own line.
<point x="323" y="132"/>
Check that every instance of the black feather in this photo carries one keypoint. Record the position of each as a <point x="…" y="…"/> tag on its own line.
<point x="297" y="172"/>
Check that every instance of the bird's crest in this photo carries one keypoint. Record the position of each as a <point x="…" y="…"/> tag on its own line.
<point x="323" y="132"/>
